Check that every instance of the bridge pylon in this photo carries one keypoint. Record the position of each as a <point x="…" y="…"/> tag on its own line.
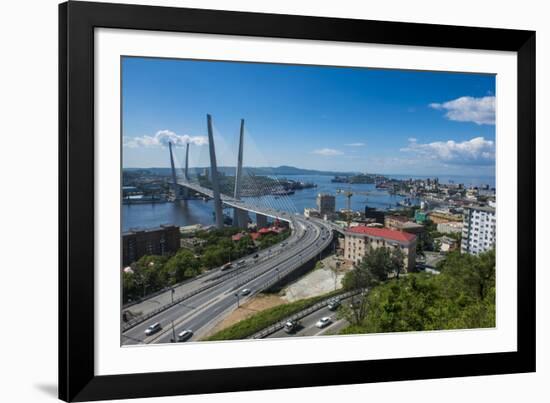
<point x="175" y="187"/>
<point x="214" y="175"/>
<point x="186" y="172"/>
<point x="240" y="217"/>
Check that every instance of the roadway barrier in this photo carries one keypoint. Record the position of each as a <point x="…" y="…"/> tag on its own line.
<point x="165" y="289"/>
<point x="136" y="321"/>
<point x="140" y="319"/>
<point x="302" y="314"/>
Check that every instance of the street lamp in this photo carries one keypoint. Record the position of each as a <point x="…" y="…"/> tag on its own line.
<point x="278" y="276"/>
<point x="173" y="333"/>
<point x="237" y="295"/>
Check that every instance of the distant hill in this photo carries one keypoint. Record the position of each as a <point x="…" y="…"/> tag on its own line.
<point x="281" y="171"/>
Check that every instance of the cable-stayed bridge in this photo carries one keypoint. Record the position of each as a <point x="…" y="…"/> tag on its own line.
<point x="208" y="304"/>
<point x="241" y="207"/>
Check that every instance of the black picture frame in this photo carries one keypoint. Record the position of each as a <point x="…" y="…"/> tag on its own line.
<point x="77" y="21"/>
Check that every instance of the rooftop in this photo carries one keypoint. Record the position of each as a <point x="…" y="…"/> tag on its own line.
<point x="383" y="233"/>
<point x="411" y="225"/>
<point x="481" y="208"/>
<point x="399" y="218"/>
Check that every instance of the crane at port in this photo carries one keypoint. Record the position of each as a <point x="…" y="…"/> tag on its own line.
<point x="349" y="193"/>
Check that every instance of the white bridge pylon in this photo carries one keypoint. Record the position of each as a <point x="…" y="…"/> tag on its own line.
<point x="240" y="207"/>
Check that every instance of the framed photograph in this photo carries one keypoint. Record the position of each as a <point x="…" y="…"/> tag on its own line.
<point x="256" y="201"/>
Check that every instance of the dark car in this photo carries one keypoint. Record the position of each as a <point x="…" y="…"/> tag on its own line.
<point x="333" y="304"/>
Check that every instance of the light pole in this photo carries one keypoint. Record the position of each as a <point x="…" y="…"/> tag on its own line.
<point x="237" y="295"/>
<point x="173" y="333"/>
<point x="278" y="276"/>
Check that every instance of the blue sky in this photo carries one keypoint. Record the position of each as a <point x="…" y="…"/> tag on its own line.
<point x="329" y="118"/>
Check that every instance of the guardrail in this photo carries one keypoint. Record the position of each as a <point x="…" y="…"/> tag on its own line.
<point x="165" y="289"/>
<point x="302" y="314"/>
<point x="140" y="319"/>
<point x="206" y="273"/>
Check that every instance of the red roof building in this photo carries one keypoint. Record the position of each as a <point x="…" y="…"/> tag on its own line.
<point x="277" y="230"/>
<point x="384" y="233"/>
<point x="358" y="241"/>
<point x="237" y="237"/>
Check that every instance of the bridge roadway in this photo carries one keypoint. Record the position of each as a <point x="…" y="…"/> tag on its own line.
<point x="240" y="204"/>
<point x="202" y="311"/>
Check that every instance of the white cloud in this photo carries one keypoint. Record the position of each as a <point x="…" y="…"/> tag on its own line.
<point x="469" y="109"/>
<point x="327" y="152"/>
<point x="476" y="151"/>
<point x="413" y="139"/>
<point x="355" y="144"/>
<point x="162" y="138"/>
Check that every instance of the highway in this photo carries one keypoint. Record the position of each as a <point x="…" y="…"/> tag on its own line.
<point x="202" y="311"/>
<point x="308" y="326"/>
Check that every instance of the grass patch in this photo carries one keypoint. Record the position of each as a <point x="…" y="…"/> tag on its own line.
<point x="263" y="319"/>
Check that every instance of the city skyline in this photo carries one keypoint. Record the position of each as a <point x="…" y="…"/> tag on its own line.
<point x="311" y="117"/>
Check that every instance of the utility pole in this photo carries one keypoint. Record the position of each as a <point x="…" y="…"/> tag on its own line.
<point x="173" y="333"/>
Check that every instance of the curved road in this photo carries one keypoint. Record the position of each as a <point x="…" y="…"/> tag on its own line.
<point x="202" y="311"/>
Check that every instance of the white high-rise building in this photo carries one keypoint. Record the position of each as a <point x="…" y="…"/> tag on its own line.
<point x="479" y="229"/>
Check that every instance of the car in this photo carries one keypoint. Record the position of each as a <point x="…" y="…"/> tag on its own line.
<point x="155" y="327"/>
<point x="227" y="266"/>
<point x="185" y="335"/>
<point x="256" y="256"/>
<point x="291" y="326"/>
<point x="323" y="322"/>
<point x="241" y="263"/>
<point x="245" y="291"/>
<point x="333" y="304"/>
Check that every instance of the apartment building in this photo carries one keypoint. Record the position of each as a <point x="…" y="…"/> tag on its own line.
<point x="478" y="230"/>
<point x="360" y="239"/>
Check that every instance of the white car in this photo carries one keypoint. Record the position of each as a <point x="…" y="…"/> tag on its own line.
<point x="245" y="291"/>
<point x="185" y="335"/>
<point x="155" y="327"/>
<point x="323" y="322"/>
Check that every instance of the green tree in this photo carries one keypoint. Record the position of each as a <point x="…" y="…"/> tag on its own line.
<point x="181" y="266"/>
<point x="461" y="297"/>
<point x="149" y="269"/>
<point x="375" y="268"/>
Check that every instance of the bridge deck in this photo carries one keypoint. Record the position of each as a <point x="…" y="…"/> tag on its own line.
<point x="239" y="204"/>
